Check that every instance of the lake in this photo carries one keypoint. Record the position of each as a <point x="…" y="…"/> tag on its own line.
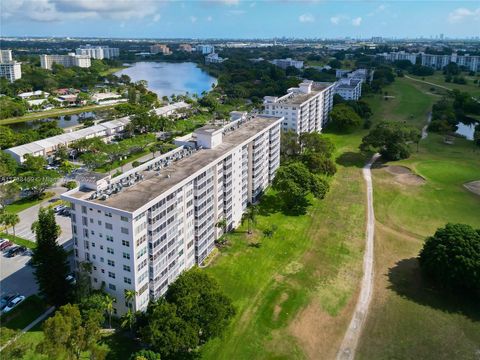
<point x="466" y="130"/>
<point x="62" y="121"/>
<point x="166" y="79"/>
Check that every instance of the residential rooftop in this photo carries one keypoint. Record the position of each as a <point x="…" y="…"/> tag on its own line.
<point x="149" y="182"/>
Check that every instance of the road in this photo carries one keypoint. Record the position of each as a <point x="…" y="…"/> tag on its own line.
<point x="28" y="216"/>
<point x="350" y="340"/>
<point x="429" y="83"/>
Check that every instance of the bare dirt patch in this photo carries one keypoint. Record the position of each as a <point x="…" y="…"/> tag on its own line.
<point x="278" y="307"/>
<point x="473" y="186"/>
<point x="404" y="175"/>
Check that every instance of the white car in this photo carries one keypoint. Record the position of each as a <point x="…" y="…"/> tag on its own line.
<point x="59" y="208"/>
<point x="13" y="303"/>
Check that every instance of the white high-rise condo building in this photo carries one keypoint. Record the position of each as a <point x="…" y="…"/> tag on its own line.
<point x="5" y="56"/>
<point x="98" y="52"/>
<point x="284" y="63"/>
<point x="400" y="55"/>
<point x="83" y="61"/>
<point x="140" y="230"/>
<point x="304" y="109"/>
<point x="205" y="49"/>
<point x="349" y="88"/>
<point x="438" y="62"/>
<point x="9" y="69"/>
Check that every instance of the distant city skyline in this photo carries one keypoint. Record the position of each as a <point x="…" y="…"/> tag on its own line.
<point x="239" y="19"/>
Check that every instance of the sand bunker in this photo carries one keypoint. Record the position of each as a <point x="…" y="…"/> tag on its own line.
<point x="405" y="176"/>
<point x="473" y="186"/>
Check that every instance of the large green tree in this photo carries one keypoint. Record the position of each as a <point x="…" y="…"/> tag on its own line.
<point x="344" y="118"/>
<point x="452" y="257"/>
<point x="37" y="182"/>
<point x="201" y="303"/>
<point x="391" y="139"/>
<point x="69" y="333"/>
<point x="167" y="333"/>
<point x="49" y="260"/>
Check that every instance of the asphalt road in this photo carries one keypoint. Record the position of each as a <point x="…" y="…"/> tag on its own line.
<point x="16" y="276"/>
<point x="350" y="340"/>
<point x="28" y="216"/>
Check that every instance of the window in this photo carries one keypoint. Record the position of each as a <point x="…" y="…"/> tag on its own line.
<point x="108" y="214"/>
<point x="102" y="259"/>
<point x="108" y="226"/>
<point x="124" y="230"/>
<point x="126" y="268"/>
<point x="110" y="250"/>
<point x="111" y="262"/>
<point x="84" y="209"/>
<point x="110" y="238"/>
<point x="111" y="275"/>
<point x="95" y="280"/>
<point x="112" y="287"/>
<point x="126" y="255"/>
<point x="123" y="218"/>
<point x="99" y="222"/>
<point x="127" y="280"/>
<point x="125" y="243"/>
<point x="91" y="221"/>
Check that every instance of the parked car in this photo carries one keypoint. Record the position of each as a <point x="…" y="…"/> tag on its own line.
<point x="65" y="212"/>
<point x="13" y="303"/>
<point x="2" y="241"/>
<point x="59" y="208"/>
<point x="15" y="251"/>
<point x="5" y="245"/>
<point x="71" y="279"/>
<point x="6" y="299"/>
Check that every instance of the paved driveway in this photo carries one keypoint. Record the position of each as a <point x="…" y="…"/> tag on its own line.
<point x="16" y="276"/>
<point x="28" y="216"/>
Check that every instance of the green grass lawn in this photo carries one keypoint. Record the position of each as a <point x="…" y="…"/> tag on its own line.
<point x="25" y="203"/>
<point x="439" y="79"/>
<point x="18" y="240"/>
<point x="24" y="314"/>
<point x="302" y="268"/>
<point x="409" y="318"/>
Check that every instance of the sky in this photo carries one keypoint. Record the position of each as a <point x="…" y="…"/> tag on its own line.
<point x="239" y="18"/>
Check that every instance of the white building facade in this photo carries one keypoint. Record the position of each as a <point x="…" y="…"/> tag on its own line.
<point x="205" y="49"/>
<point x="11" y="70"/>
<point x="83" y="61"/>
<point x="400" y="55"/>
<point x="284" y="63"/>
<point x="304" y="109"/>
<point x="438" y="62"/>
<point x="349" y="88"/>
<point x="98" y="52"/>
<point x="140" y="230"/>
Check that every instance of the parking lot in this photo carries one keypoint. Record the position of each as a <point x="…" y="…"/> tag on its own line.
<point x="16" y="276"/>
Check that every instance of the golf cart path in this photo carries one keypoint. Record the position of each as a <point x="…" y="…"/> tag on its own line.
<point x="429" y="83"/>
<point x="352" y="335"/>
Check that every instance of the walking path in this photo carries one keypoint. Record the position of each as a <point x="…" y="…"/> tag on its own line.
<point x="425" y="128"/>
<point x="428" y="82"/>
<point x="29" y="326"/>
<point x="350" y="340"/>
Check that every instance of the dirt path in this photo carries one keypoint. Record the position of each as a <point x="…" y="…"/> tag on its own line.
<point x="425" y="128"/>
<point x="429" y="83"/>
<point x="350" y="340"/>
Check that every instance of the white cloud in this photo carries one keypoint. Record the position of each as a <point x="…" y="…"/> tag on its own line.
<point x="209" y="18"/>
<point x="379" y="9"/>
<point x="193" y="19"/>
<point x="335" y="20"/>
<point x="461" y="14"/>
<point x="157" y="18"/>
<point x="306" y="18"/>
<point x="64" y="10"/>
<point x="357" y="21"/>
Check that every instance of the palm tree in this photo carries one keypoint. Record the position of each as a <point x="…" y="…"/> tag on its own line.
<point x="222" y="224"/>
<point x="12" y="220"/>
<point x="108" y="304"/>
<point x="128" y="320"/>
<point x="251" y="217"/>
<point x="129" y="296"/>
